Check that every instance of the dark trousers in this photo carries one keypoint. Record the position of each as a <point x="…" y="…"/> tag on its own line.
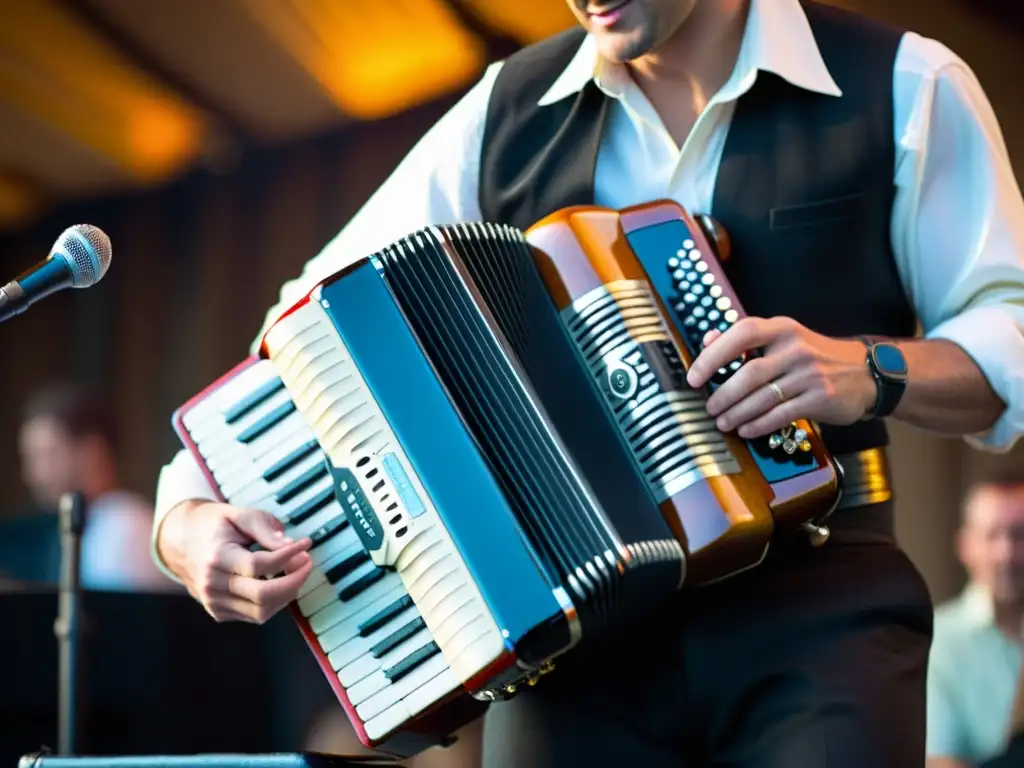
<point x="814" y="659"/>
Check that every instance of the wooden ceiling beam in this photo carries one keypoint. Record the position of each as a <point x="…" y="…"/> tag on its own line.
<point x="499" y="44"/>
<point x="57" y="72"/>
<point x="374" y="59"/>
<point x="524" y="21"/>
<point x="219" y="120"/>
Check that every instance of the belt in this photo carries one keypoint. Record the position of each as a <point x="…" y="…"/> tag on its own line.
<point x="866" y="478"/>
<point x="862" y="512"/>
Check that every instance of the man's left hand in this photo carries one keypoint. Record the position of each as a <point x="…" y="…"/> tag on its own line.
<point x="815" y="377"/>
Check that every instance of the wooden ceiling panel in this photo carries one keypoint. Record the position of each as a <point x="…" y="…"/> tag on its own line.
<point x="221" y="52"/>
<point x="525" y="21"/>
<point x="54" y="160"/>
<point x="377" y="57"/>
<point x="56" y="71"/>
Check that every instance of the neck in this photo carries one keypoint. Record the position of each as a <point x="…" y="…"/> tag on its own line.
<point x="700" y="55"/>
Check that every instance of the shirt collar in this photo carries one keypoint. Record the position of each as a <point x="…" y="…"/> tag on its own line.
<point x="777" y="38"/>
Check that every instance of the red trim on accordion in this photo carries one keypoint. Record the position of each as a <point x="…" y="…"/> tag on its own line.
<point x="300" y="303"/>
<point x="431" y="726"/>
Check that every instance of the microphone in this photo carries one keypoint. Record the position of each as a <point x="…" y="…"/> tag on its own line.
<point x="78" y="259"/>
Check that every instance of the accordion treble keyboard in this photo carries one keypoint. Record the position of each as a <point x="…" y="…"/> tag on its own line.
<point x="260" y="453"/>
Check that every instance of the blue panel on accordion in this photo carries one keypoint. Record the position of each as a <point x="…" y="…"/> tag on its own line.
<point x="443" y="453"/>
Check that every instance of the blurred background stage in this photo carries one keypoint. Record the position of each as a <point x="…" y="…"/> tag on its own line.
<point x="221" y="143"/>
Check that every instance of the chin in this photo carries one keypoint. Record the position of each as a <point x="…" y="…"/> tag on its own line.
<point x="621" y="46"/>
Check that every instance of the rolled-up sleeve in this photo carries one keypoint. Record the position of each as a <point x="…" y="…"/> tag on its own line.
<point x="958" y="223"/>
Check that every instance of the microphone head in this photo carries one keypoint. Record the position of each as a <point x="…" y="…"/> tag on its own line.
<point x="85" y="250"/>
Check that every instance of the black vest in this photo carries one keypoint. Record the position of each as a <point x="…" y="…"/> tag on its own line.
<point x="805" y="186"/>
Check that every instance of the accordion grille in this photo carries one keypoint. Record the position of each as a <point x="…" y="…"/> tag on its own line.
<point x="622" y="338"/>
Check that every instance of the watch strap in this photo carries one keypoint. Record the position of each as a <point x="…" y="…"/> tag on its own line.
<point x="889" y="390"/>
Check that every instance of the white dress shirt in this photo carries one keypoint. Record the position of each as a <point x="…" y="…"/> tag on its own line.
<point x="957" y="220"/>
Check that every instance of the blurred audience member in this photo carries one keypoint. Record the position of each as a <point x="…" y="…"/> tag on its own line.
<point x="68" y="443"/>
<point x="975" y="661"/>
<point x="1013" y="755"/>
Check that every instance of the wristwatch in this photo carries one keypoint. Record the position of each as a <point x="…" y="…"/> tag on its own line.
<point x="888" y="367"/>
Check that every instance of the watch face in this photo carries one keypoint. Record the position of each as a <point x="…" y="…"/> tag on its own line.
<point x="889" y="360"/>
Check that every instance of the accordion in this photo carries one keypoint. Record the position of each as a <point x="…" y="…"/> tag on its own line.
<point x="489" y="438"/>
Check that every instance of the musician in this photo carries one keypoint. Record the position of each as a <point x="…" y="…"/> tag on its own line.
<point x="861" y="175"/>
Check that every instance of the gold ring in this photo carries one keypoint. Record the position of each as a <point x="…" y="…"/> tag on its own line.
<point x="779" y="394"/>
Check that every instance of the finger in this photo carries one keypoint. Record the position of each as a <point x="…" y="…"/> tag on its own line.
<point x="746" y="335"/>
<point x="262" y="527"/>
<point x="296" y="562"/>
<point x="233" y="608"/>
<point x="221" y="614"/>
<point x="277" y="591"/>
<point x="233" y="558"/>
<point x="752" y="376"/>
<point x="778" y="417"/>
<point x="758" y="402"/>
<point x="709" y="337"/>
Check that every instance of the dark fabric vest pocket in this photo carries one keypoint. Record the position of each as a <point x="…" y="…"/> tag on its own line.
<point x="819" y="212"/>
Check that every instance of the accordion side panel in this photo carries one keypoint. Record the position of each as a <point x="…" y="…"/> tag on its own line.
<point x="686" y="274"/>
<point x="256" y="450"/>
<point x="703" y="480"/>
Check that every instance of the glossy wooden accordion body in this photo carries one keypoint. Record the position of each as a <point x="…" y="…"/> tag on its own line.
<point x="638" y="289"/>
<point x="489" y="438"/>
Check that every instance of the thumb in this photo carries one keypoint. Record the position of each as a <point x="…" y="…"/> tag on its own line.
<point x="262" y="527"/>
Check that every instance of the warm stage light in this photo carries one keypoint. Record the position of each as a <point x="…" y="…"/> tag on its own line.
<point x="19" y="203"/>
<point x="67" y="77"/>
<point x="526" y="21"/>
<point x="378" y="57"/>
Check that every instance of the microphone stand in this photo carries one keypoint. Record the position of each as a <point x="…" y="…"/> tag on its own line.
<point x="68" y="625"/>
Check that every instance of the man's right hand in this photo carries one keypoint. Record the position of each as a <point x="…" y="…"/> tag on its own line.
<point x="206" y="545"/>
